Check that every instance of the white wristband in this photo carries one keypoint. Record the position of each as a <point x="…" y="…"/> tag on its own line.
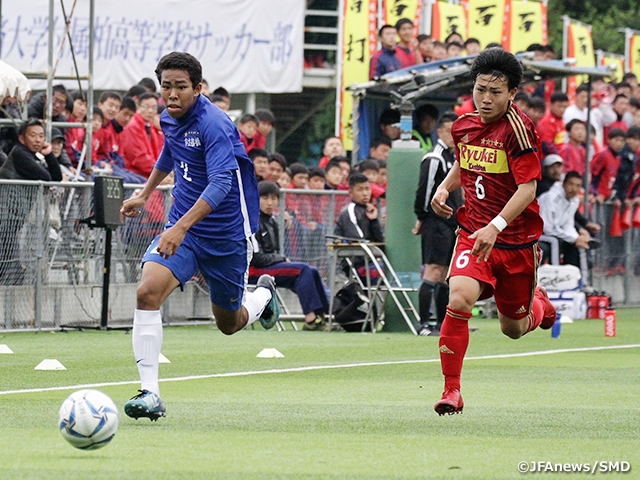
<point x="499" y="222"/>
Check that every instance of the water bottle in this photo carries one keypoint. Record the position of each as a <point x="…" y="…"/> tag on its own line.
<point x="555" y="330"/>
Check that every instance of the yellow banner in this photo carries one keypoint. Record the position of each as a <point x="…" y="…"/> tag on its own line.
<point x="528" y="25"/>
<point x="448" y="18"/>
<point x="359" y="41"/>
<point x="394" y="10"/>
<point x="486" y="21"/>
<point x="580" y="47"/>
<point x="617" y="61"/>
<point x="633" y="57"/>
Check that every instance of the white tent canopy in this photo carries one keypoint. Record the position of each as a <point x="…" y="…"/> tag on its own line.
<point x="13" y="83"/>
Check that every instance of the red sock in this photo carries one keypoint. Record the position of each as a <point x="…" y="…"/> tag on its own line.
<point x="454" y="339"/>
<point x="537" y="312"/>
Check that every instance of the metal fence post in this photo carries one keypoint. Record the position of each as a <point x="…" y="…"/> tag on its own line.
<point x="40" y="228"/>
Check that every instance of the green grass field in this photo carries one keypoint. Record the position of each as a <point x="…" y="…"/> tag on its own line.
<point x="338" y="406"/>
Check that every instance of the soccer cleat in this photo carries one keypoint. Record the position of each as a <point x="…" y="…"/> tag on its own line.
<point x="549" y="317"/>
<point x="145" y="404"/>
<point x="271" y="312"/>
<point x="451" y="402"/>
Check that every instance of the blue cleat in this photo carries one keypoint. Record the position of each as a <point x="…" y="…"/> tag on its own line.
<point x="145" y="404"/>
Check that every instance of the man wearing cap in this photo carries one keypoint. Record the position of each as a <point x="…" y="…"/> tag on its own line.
<point x="551" y="173"/>
<point x="58" y="151"/>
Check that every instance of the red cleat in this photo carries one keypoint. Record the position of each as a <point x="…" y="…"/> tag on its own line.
<point x="451" y="402"/>
<point x="549" y="317"/>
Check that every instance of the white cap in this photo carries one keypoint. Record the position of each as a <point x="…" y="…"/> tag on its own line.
<point x="551" y="160"/>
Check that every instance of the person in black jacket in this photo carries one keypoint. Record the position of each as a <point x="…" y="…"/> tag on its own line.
<point x="38" y="104"/>
<point x="22" y="164"/>
<point x="438" y="233"/>
<point x="299" y="277"/>
<point x="359" y="219"/>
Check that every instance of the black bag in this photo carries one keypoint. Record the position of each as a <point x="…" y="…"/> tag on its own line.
<point x="350" y="307"/>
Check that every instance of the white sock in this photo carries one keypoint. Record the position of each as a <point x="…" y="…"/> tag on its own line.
<point x="147" y="342"/>
<point x="255" y="302"/>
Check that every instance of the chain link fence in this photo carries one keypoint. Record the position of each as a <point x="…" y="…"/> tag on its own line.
<point x="51" y="264"/>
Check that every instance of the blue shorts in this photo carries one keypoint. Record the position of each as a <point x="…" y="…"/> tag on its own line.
<point x="224" y="265"/>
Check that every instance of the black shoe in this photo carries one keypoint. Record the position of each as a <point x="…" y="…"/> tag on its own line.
<point x="427" y="330"/>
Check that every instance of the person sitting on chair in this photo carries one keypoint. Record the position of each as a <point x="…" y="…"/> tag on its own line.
<point x="359" y="221"/>
<point x="299" y="277"/>
<point x="557" y="209"/>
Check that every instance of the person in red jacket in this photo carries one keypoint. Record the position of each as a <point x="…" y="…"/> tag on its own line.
<point x="604" y="166"/>
<point x="140" y="142"/>
<point x="248" y="127"/>
<point x="405" y="49"/>
<point x="266" y="121"/>
<point x="551" y="127"/>
<point x="116" y="126"/>
<point x="573" y="152"/>
<point x="74" y="137"/>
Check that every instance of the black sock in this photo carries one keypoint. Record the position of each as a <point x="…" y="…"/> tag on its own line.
<point x="441" y="300"/>
<point x="425" y="295"/>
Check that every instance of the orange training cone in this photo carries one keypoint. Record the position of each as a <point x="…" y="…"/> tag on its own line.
<point x="636" y="218"/>
<point x="616" y="228"/>
<point x="625" y="221"/>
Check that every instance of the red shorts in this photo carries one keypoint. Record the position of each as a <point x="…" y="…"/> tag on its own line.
<point x="509" y="275"/>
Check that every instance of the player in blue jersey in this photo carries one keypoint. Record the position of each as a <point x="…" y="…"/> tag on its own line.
<point x="215" y="210"/>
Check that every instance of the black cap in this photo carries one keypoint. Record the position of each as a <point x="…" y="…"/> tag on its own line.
<point x="56" y="133"/>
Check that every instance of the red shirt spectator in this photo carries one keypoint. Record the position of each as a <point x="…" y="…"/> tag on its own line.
<point x="551" y="127"/>
<point x="604" y="168"/>
<point x="573" y="152"/>
<point x="140" y="145"/>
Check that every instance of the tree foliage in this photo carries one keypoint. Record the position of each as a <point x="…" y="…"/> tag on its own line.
<point x="605" y="16"/>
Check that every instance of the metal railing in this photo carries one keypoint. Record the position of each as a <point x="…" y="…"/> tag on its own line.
<point x="51" y="265"/>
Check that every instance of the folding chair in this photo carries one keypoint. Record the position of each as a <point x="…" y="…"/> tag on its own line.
<point x="388" y="285"/>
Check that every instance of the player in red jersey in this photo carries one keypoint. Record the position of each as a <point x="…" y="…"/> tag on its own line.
<point x="496" y="251"/>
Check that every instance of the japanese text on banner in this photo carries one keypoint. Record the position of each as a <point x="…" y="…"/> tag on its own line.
<point x="359" y="42"/>
<point x="448" y="18"/>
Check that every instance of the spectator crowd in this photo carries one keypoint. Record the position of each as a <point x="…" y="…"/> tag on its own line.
<point x="127" y="139"/>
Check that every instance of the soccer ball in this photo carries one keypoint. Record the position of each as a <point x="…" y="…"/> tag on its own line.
<point x="88" y="419"/>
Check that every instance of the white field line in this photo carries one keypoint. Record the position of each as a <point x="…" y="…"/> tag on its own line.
<point x="319" y="367"/>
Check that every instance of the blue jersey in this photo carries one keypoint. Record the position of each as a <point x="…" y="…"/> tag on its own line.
<point x="201" y="144"/>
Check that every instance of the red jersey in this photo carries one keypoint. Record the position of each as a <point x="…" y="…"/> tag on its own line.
<point x="552" y="133"/>
<point x="574" y="156"/>
<point x="406" y="56"/>
<point x="604" y="168"/>
<point x="494" y="159"/>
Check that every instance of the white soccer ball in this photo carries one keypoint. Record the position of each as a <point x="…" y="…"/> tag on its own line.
<point x="88" y="419"/>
